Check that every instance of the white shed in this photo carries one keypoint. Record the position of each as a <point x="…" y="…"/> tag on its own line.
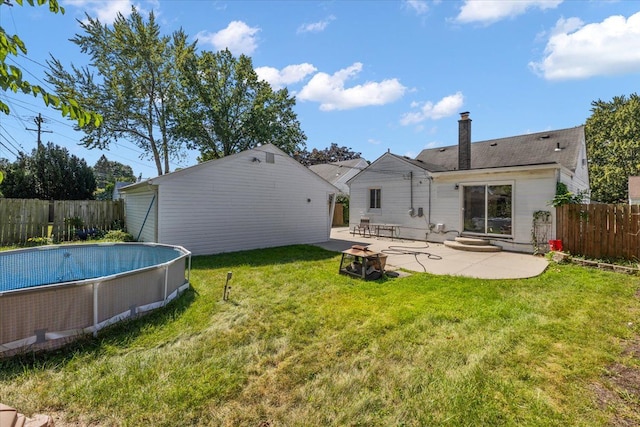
<point x="258" y="198"/>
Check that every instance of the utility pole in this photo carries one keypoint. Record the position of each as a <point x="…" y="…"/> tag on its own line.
<point x="38" y="121"/>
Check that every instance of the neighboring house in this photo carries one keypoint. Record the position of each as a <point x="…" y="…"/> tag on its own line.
<point x="634" y="190"/>
<point x="116" y="189"/>
<point x="488" y="189"/>
<point x="338" y="173"/>
<point x="258" y="198"/>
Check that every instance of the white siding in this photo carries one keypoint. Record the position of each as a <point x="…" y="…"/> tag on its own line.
<point x="238" y="203"/>
<point x="532" y="191"/>
<point x="446" y="209"/>
<point x="392" y="176"/>
<point x="137" y="204"/>
<point x="579" y="180"/>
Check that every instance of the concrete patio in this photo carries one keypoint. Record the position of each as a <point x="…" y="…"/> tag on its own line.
<point x="436" y="258"/>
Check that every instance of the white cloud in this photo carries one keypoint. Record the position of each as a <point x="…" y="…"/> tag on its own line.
<point x="490" y="11"/>
<point x="446" y="107"/>
<point x="420" y="7"/>
<point x="576" y="51"/>
<point x="288" y="75"/>
<point x="105" y="11"/>
<point x="316" y="27"/>
<point x="238" y="37"/>
<point x="330" y="90"/>
<point x="564" y="26"/>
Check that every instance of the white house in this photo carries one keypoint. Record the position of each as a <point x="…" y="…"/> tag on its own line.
<point x="490" y="189"/>
<point x="339" y="173"/>
<point x="258" y="198"/>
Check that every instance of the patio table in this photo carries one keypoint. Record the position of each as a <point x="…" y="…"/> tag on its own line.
<point x="393" y="229"/>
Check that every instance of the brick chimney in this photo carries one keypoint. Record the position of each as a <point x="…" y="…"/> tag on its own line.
<point x="464" y="141"/>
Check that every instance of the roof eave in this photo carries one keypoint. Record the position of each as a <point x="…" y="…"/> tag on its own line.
<point x="411" y="162"/>
<point x="520" y="168"/>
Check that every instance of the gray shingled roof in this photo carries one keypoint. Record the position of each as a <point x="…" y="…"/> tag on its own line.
<point x="522" y="150"/>
<point x="333" y="171"/>
<point x="419" y="163"/>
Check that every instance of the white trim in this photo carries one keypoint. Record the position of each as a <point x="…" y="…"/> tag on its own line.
<point x="490" y="171"/>
<point x="486" y="184"/>
<point x="374" y="209"/>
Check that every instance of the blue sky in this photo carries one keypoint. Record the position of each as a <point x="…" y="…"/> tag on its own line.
<point x="371" y="75"/>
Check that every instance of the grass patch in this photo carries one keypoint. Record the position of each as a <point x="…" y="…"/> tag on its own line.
<point x="298" y="344"/>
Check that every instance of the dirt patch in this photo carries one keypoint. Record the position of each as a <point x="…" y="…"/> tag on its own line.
<point x="618" y="393"/>
<point x="632" y="349"/>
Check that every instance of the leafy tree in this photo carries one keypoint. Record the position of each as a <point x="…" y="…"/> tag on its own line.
<point x="11" y="75"/>
<point x="50" y="173"/>
<point x="3" y="165"/>
<point x="107" y="172"/>
<point x="18" y="182"/>
<point x="136" y="84"/>
<point x="328" y="155"/>
<point x="613" y="146"/>
<point x="227" y="109"/>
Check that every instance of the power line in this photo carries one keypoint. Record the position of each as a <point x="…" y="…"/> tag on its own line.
<point x="38" y="121"/>
<point x="7" y="148"/>
<point x="19" y="147"/>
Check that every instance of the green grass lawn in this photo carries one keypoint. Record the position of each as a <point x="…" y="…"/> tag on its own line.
<point x="298" y="344"/>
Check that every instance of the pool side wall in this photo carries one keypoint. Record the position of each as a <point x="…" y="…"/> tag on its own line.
<point x="50" y="316"/>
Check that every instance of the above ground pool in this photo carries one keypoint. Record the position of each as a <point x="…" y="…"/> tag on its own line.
<point x="50" y="294"/>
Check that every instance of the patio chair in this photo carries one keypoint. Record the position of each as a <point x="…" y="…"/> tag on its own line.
<point x="362" y="228"/>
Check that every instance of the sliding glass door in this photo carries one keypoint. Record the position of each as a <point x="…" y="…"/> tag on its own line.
<point x="488" y="209"/>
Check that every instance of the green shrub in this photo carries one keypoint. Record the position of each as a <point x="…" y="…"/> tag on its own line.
<point x="117" y="236"/>
<point x="564" y="196"/>
<point x="37" y="241"/>
<point x="75" y="222"/>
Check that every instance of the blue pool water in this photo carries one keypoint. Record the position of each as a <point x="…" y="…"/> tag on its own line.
<point x="26" y="268"/>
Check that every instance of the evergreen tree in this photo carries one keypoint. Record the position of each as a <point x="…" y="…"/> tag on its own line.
<point x="50" y="173"/>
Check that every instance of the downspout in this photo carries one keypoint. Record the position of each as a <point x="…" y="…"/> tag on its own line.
<point x="429" y="219"/>
<point x="411" y="211"/>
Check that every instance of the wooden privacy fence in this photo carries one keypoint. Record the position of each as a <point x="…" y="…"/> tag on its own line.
<point x="21" y="219"/>
<point x="599" y="231"/>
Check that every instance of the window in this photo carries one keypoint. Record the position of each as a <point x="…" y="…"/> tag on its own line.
<point x="488" y="209"/>
<point x="375" y="198"/>
<point x="270" y="157"/>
